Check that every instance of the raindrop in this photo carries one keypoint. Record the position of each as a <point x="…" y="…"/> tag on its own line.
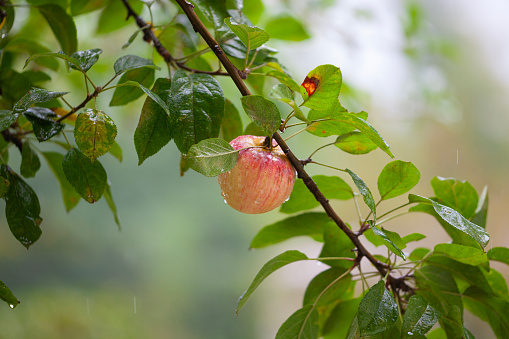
<point x="3" y="36"/>
<point x="287" y="199"/>
<point x="10" y="305"/>
<point x="410" y="333"/>
<point x="225" y="201"/>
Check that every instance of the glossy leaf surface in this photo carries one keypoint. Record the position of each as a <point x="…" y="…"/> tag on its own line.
<point x="419" y="317"/>
<point x="212" y="157"/>
<point x="43" y="123"/>
<point x="94" y="133"/>
<point x="36" y="95"/>
<point x="30" y="162"/>
<point x="86" y="59"/>
<point x="364" y="191"/>
<point x="7" y="295"/>
<point x="377" y="311"/>
<point x="129" y="62"/>
<point x="264" y="113"/>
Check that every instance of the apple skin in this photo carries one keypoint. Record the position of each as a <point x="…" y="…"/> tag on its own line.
<point x="261" y="180"/>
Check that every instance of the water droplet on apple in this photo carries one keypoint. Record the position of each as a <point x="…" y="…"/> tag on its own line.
<point x="225" y="201"/>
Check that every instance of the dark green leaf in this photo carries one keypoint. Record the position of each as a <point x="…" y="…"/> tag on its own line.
<point x="339" y="320"/>
<point x="286" y="28"/>
<point x="262" y="112"/>
<point x="30" y="162"/>
<point x="464" y="254"/>
<point x="32" y="47"/>
<point x="43" y="125"/>
<point x="459" y="195"/>
<point x="467" y="334"/>
<point x="419" y="317"/>
<point x="311" y="224"/>
<point x="377" y="311"/>
<point x="301" y="199"/>
<point x="214" y="11"/>
<point x="499" y="254"/>
<point x="22" y="209"/>
<point x="481" y="213"/>
<point x="116" y="151"/>
<point x="128" y="62"/>
<point x="320" y="89"/>
<point x="69" y="195"/>
<point x="125" y="94"/>
<point x="88" y="178"/>
<point x="490" y="308"/>
<point x="61" y="3"/>
<point x="4" y="150"/>
<point x="85" y="6"/>
<point x="7" y="118"/>
<point x="392" y="240"/>
<point x="251" y="37"/>
<point x="270" y="266"/>
<point x="7" y="296"/>
<point x="86" y="59"/>
<point x="212" y="157"/>
<point x="397" y="178"/>
<point x="284" y="94"/>
<point x="36" y="95"/>
<point x="196" y="103"/>
<point x="152" y="132"/>
<point x="67" y="58"/>
<point x="303" y="324"/>
<point x="364" y="191"/>
<point x="336" y="245"/>
<point x="62" y="25"/>
<point x="285" y="80"/>
<point x="111" y="204"/>
<point x="231" y="125"/>
<point x="36" y="77"/>
<point x="4" y="186"/>
<point x="355" y="143"/>
<point x="113" y="16"/>
<point x="148" y="92"/>
<point x="94" y="133"/>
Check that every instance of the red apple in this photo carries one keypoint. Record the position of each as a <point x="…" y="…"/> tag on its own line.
<point x="261" y="180"/>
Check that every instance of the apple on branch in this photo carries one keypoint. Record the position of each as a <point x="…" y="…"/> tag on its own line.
<point x="261" y="180"/>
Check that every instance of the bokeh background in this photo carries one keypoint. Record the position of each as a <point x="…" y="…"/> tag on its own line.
<point x="433" y="76"/>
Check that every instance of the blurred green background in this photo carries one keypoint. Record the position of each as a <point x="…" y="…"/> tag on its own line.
<point x="433" y="77"/>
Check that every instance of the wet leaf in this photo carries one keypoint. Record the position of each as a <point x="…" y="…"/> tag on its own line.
<point x="459" y="195"/>
<point x="270" y="266"/>
<point x="364" y="191"/>
<point x="7" y="118"/>
<point x="86" y="59"/>
<point x="111" y="204"/>
<point x="320" y="89"/>
<point x="481" y="213"/>
<point x="310" y="224"/>
<point x="88" y="178"/>
<point x="148" y="92"/>
<point x="212" y="157"/>
<point x="128" y="62"/>
<point x="286" y="28"/>
<point x="196" y="103"/>
<point x="284" y="94"/>
<point x="303" y="324"/>
<point x="69" y="195"/>
<point x="62" y="25"/>
<point x="264" y="113"/>
<point x="251" y="37"/>
<point x="126" y="94"/>
<point x="301" y="199"/>
<point x="419" y="317"/>
<point x="30" y="162"/>
<point x="54" y="55"/>
<point x="42" y="122"/>
<point x="285" y="80"/>
<point x="231" y="125"/>
<point x="377" y="311"/>
<point x="7" y="295"/>
<point x="22" y="209"/>
<point x="464" y="254"/>
<point x="4" y="186"/>
<point x="391" y="239"/>
<point x="152" y="132"/>
<point x="355" y="143"/>
<point x="397" y="178"/>
<point x="35" y="95"/>
<point x="94" y="133"/>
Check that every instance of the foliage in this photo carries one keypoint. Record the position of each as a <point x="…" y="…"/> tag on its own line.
<point x="415" y="290"/>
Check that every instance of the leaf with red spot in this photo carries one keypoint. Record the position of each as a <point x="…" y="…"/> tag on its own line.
<point x="320" y="89"/>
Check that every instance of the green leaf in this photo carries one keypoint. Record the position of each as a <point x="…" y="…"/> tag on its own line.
<point x="301" y="199"/>
<point x="69" y="195"/>
<point x="128" y="62"/>
<point x="310" y="224"/>
<point x="264" y="113"/>
<point x="284" y="94"/>
<point x="413" y="237"/>
<point x="22" y="209"/>
<point x="212" y="157"/>
<point x="31" y="47"/>
<point x="284" y="79"/>
<point x="152" y="132"/>
<point x="499" y="254"/>
<point x="459" y="195"/>
<point x="392" y="240"/>
<point x="113" y="16"/>
<point x="125" y="94"/>
<point x="62" y="25"/>
<point x="4" y="186"/>
<point x="489" y="308"/>
<point x="111" y="204"/>
<point x="36" y="95"/>
<point x="94" y="133"/>
<point x="419" y="253"/>
<point x="86" y="59"/>
<point x="481" y="213"/>
<point x="364" y="191"/>
<point x="88" y="178"/>
<point x="377" y="311"/>
<point x="320" y="89"/>
<point x="419" y="317"/>
<point x="7" y="20"/>
<point x="303" y="324"/>
<point x="497" y="282"/>
<point x="355" y="143"/>
<point x="116" y="151"/>
<point x="340" y="319"/>
<point x="196" y="103"/>
<point x="84" y="6"/>
<point x="231" y="125"/>
<point x="67" y="58"/>
<point x="270" y="266"/>
<point x="464" y="254"/>
<point x="336" y="245"/>
<point x="253" y="129"/>
<point x="148" y="92"/>
<point x="4" y="150"/>
<point x="251" y="37"/>
<point x="397" y="178"/>
<point x="286" y="28"/>
<point x="42" y="122"/>
<point x="7" y="296"/>
<point x="30" y="162"/>
<point x="7" y="118"/>
<point x="60" y="3"/>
